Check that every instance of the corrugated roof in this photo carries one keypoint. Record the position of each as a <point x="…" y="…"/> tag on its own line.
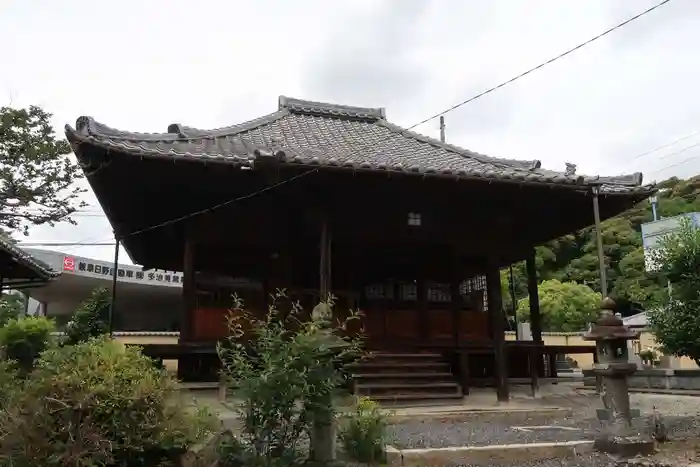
<point x="321" y="134"/>
<point x="22" y="257"/>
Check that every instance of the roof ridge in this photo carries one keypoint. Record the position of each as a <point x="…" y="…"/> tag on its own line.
<point x="510" y="163"/>
<point x="190" y="132"/>
<point x="88" y="126"/>
<point x="331" y="110"/>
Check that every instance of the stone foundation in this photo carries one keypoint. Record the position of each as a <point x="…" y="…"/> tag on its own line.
<point x="657" y="378"/>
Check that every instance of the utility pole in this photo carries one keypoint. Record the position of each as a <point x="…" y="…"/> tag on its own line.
<point x="442" y="128"/>
<point x="654" y="201"/>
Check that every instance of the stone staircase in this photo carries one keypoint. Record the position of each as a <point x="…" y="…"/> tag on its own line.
<point x="406" y="379"/>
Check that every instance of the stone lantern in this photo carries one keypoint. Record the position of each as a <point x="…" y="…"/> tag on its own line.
<point x="610" y="336"/>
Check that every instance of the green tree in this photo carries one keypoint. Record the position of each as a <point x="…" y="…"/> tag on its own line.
<point x="11" y="307"/>
<point x="634" y="284"/>
<point x="565" y="306"/>
<point x="676" y="322"/>
<point x="91" y="319"/>
<point x="36" y="173"/>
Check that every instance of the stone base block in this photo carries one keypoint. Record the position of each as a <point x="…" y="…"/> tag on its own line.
<point x="625" y="446"/>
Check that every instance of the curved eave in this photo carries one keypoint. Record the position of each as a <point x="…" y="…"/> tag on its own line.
<point x="289" y="156"/>
<point x="40" y="270"/>
<point x="140" y="148"/>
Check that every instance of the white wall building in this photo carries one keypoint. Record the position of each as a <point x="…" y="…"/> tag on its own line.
<point x="147" y="300"/>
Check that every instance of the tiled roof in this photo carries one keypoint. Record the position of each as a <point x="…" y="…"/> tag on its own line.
<point x="638" y="320"/>
<point x="41" y="269"/>
<point x="319" y="134"/>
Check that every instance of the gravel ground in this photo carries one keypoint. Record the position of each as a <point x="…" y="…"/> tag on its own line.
<point x="430" y="434"/>
<point x="681" y="453"/>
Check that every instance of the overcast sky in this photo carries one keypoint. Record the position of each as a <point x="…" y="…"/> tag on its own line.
<point x="141" y="65"/>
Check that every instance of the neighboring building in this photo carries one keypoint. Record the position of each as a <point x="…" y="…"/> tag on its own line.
<point x="653" y="232"/>
<point x="147" y="300"/>
<point x="638" y="321"/>
<point x="321" y="198"/>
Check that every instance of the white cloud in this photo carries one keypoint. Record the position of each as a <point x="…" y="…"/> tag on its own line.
<point x="143" y="65"/>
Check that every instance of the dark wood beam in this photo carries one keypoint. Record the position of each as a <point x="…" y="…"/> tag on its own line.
<point x="188" y="292"/>
<point x="496" y="318"/>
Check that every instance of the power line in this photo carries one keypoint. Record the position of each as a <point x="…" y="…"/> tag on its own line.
<point x="541" y="65"/>
<point x="28" y="214"/>
<point x="23" y="244"/>
<point x="680" y="151"/>
<point x="456" y="106"/>
<point x="450" y="109"/>
<point x="665" y="146"/>
<point x="681" y="162"/>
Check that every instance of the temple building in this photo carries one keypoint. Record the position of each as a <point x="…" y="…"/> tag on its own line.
<point x="320" y="198"/>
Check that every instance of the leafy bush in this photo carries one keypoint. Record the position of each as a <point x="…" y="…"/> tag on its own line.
<point x="91" y="319"/>
<point x="9" y="382"/>
<point x="11" y="306"/>
<point x="363" y="434"/>
<point x="284" y="370"/>
<point x="24" y="339"/>
<point x="97" y="403"/>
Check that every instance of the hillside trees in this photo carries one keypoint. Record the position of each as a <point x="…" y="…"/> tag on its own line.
<point x="573" y="258"/>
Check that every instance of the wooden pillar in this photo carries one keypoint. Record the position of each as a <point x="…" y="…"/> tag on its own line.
<point x="188" y="293"/>
<point x="456" y="304"/>
<point x="324" y="273"/>
<point x="493" y="285"/>
<point x="423" y="308"/>
<point x="535" y="316"/>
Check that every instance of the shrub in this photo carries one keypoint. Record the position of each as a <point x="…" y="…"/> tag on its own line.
<point x="284" y="372"/>
<point x="9" y="382"/>
<point x="11" y="306"/>
<point x="24" y="339"/>
<point x="97" y="403"/>
<point x="363" y="435"/>
<point x="91" y="319"/>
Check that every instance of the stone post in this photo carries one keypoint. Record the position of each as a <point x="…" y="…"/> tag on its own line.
<point x="323" y="447"/>
<point x="611" y="337"/>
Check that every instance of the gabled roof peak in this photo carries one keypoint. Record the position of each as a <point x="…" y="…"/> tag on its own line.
<point x="331" y="110"/>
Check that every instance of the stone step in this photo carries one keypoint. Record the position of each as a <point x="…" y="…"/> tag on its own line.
<point x="400" y="367"/>
<point x="418" y="399"/>
<point x="402" y="377"/>
<point x="390" y="389"/>
<point x="403" y="357"/>
<point x="415" y="355"/>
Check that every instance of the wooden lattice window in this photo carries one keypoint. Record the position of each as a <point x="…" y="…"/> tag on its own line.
<point x="475" y="283"/>
<point x="408" y="292"/>
<point x="414" y="219"/>
<point x="379" y="292"/>
<point x="439" y="293"/>
<point x="475" y="288"/>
